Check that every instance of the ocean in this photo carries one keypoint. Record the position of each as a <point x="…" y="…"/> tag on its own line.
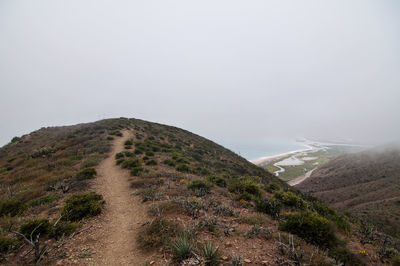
<point x="252" y="150"/>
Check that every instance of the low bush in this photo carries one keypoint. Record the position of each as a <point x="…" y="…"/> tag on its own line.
<point x="136" y="171"/>
<point x="80" y="206"/>
<point x="64" y="228"/>
<point x="343" y="256"/>
<point x="217" y="180"/>
<point x="169" y="162"/>
<point x="183" y="168"/>
<point x="35" y="227"/>
<point x="156" y="234"/>
<point x="15" y="139"/>
<point x="42" y="200"/>
<point x="272" y="187"/>
<point x="151" y="162"/>
<point x="116" y="133"/>
<point x="87" y="173"/>
<point x="131" y="163"/>
<point x="11" y="207"/>
<point x="290" y="199"/>
<point x="149" y="153"/>
<point x="200" y="185"/>
<point x="128" y="142"/>
<point x="311" y="227"/>
<point x="224" y="211"/>
<point x="247" y="185"/>
<point x="90" y="162"/>
<point x="271" y="207"/>
<point x="7" y="244"/>
<point x="151" y="194"/>
<point x="201" y="171"/>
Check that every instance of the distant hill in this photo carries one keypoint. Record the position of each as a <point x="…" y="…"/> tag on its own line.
<point x="366" y="184"/>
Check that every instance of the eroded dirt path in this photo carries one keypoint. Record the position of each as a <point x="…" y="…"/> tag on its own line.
<point x="111" y="239"/>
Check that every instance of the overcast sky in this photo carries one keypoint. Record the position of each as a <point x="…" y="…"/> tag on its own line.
<point x="232" y="71"/>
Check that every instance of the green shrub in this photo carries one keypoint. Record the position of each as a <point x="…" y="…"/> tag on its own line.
<point x="128" y="142"/>
<point x="217" y="180"/>
<point x="330" y="214"/>
<point x="182" y="247"/>
<point x="150" y="194"/>
<point x="396" y="261"/>
<point x="156" y="233"/>
<point x="343" y="256"/>
<point x="290" y="199"/>
<point x="183" y="168"/>
<point x="80" y="206"/>
<point x="200" y="184"/>
<point x="119" y="155"/>
<point x="210" y="254"/>
<point x="149" y="153"/>
<point x="136" y="171"/>
<point x="64" y="228"/>
<point x="138" y="151"/>
<point x="151" y="162"/>
<point x="201" y="171"/>
<point x="272" y="187"/>
<point x="243" y="185"/>
<point x="7" y="244"/>
<point x="15" y="139"/>
<point x="169" y="162"/>
<point x="110" y="138"/>
<point x="11" y="207"/>
<point x="87" y="173"/>
<point x="311" y="227"/>
<point x="271" y="207"/>
<point x="224" y="211"/>
<point x="42" y="200"/>
<point x="90" y="162"/>
<point x="131" y="163"/>
<point x="42" y="227"/>
<point x="116" y="133"/>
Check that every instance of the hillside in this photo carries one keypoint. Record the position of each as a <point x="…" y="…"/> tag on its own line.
<point x="366" y="184"/>
<point x="130" y="192"/>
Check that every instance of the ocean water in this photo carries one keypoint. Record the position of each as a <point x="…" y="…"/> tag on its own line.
<point x="252" y="149"/>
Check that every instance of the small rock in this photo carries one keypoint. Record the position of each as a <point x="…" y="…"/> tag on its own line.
<point x="228" y="244"/>
<point x="152" y="262"/>
<point x="264" y="262"/>
<point x="247" y="260"/>
<point x="224" y="257"/>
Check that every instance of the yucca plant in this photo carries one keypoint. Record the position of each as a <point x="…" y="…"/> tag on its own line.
<point x="211" y="254"/>
<point x="182" y="247"/>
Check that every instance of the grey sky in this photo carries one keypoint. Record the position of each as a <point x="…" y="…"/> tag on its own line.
<point x="232" y="71"/>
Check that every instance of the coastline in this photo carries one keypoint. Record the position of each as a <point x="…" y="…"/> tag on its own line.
<point x="267" y="159"/>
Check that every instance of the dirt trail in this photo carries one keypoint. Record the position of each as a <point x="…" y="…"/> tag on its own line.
<point x="112" y="237"/>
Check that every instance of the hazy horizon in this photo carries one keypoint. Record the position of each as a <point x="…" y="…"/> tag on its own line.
<point x="239" y="73"/>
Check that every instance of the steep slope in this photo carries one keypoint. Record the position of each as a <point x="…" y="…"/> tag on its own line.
<point x="366" y="184"/>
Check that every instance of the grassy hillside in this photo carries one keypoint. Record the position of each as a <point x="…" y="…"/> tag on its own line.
<point x="208" y="205"/>
<point x="365" y="184"/>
